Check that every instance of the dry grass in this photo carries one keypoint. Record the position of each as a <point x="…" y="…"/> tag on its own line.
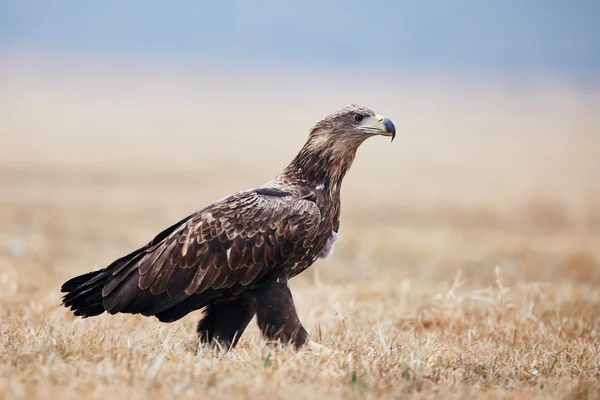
<point x="469" y="259"/>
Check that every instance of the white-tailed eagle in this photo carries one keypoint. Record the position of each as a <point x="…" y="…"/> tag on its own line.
<point x="234" y="257"/>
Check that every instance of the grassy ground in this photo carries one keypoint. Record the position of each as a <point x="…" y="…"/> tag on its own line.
<point x="469" y="261"/>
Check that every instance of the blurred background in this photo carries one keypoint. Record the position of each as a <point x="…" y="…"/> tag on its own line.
<point x="119" y="118"/>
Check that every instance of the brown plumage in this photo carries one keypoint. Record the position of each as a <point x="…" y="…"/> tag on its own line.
<point x="234" y="257"/>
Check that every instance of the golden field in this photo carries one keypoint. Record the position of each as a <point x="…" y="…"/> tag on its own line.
<point x="469" y="263"/>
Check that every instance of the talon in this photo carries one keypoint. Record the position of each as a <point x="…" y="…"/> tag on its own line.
<point x="314" y="346"/>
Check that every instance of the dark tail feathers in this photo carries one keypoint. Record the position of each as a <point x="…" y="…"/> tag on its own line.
<point x="84" y="293"/>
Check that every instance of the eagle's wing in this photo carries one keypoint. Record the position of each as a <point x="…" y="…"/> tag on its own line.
<point x="225" y="248"/>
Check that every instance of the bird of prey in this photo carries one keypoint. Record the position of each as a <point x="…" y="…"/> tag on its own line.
<point x="234" y="257"/>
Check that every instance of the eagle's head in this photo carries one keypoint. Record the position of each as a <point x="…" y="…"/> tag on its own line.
<point x="332" y="145"/>
<point x="351" y="125"/>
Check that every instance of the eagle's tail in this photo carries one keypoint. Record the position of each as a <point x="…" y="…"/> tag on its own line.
<point x="85" y="299"/>
<point x="84" y="293"/>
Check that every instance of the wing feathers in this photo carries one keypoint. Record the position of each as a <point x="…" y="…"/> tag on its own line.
<point x="161" y="262"/>
<point x="163" y="279"/>
<point x="180" y="280"/>
<point x="197" y="280"/>
<point x="228" y="246"/>
<point x="207" y="280"/>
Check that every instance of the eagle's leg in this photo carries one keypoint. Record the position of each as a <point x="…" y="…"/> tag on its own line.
<point x="276" y="314"/>
<point x="225" y="322"/>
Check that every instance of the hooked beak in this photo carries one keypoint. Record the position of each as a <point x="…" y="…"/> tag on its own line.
<point x="379" y="125"/>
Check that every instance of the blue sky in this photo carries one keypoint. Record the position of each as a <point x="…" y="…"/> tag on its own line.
<point x="555" y="37"/>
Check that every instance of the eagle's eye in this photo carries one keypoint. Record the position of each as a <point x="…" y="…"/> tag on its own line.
<point x="357" y="117"/>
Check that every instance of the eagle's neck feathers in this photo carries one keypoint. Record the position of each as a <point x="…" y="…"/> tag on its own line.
<point x="321" y="163"/>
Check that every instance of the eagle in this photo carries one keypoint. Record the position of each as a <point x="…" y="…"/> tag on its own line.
<point x="234" y="258"/>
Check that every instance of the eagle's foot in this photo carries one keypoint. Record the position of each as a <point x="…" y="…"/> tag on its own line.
<point x="316" y="347"/>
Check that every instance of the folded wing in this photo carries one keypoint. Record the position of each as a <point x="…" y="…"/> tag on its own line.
<point x="219" y="252"/>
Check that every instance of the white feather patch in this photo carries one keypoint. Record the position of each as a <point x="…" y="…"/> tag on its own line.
<point x="327" y="250"/>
